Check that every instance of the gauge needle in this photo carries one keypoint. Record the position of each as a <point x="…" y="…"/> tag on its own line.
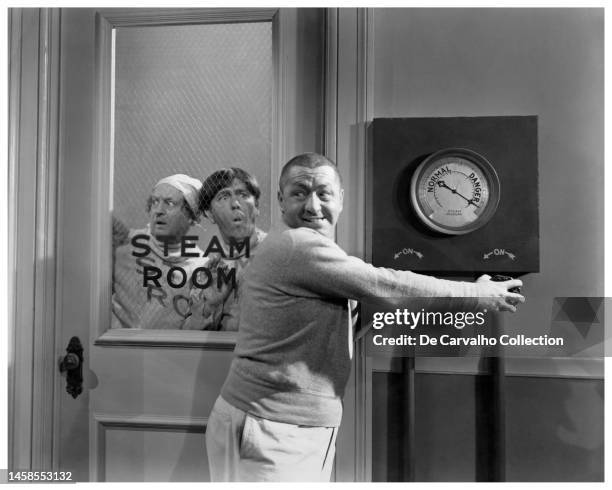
<point x="441" y="183"/>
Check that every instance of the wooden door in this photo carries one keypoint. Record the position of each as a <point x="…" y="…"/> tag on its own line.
<point x="147" y="394"/>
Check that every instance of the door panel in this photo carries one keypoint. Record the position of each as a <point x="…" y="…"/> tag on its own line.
<point x="147" y="393"/>
<point x="153" y="453"/>
<point x="154" y="431"/>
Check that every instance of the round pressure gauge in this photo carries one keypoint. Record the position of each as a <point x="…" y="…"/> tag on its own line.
<point x="455" y="191"/>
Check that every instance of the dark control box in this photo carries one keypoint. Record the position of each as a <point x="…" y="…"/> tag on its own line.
<point x="507" y="243"/>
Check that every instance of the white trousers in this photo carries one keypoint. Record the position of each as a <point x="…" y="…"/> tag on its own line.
<point x="243" y="447"/>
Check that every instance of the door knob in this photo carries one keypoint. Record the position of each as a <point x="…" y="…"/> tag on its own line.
<point x="72" y="365"/>
<point x="69" y="362"/>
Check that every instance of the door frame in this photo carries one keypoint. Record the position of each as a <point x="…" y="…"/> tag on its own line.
<point x="349" y="110"/>
<point x="34" y="165"/>
<point x="33" y="195"/>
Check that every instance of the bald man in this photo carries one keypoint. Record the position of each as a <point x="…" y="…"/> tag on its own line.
<point x="280" y="407"/>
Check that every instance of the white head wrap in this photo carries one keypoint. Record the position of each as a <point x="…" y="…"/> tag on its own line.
<point x="189" y="187"/>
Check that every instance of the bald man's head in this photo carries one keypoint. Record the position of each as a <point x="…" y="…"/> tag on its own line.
<point x="307" y="160"/>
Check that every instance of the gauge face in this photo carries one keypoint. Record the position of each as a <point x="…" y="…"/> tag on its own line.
<point x="455" y="191"/>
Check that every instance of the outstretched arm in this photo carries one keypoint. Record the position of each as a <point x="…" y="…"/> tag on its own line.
<point x="318" y="264"/>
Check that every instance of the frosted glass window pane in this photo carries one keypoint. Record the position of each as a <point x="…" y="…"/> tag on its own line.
<point x="190" y="99"/>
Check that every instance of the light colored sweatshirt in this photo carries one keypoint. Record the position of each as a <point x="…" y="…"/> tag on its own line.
<point x="153" y="306"/>
<point x="292" y="356"/>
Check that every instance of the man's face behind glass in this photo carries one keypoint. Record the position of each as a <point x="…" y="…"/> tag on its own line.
<point x="234" y="210"/>
<point x="169" y="219"/>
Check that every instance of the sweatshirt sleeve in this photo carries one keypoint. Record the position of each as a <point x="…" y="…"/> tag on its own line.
<point x="319" y="265"/>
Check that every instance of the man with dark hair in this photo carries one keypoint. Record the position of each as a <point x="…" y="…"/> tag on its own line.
<point x="278" y="412"/>
<point x="230" y="199"/>
<point x="224" y="178"/>
<point x="173" y="208"/>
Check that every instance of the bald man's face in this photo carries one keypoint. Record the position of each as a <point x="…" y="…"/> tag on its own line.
<point x="311" y="198"/>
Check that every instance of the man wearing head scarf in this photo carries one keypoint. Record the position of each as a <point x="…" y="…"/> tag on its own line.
<point x="161" y="299"/>
<point x="229" y="199"/>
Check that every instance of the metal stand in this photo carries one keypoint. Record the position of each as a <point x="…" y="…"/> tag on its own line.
<point x="408" y="408"/>
<point x="491" y="415"/>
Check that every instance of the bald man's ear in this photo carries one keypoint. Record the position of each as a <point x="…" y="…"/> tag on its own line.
<point x="281" y="203"/>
